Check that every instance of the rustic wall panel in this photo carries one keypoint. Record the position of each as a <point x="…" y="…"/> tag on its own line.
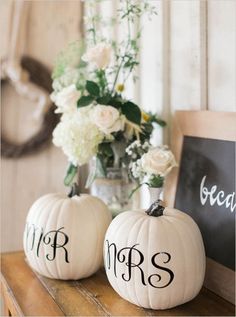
<point x="51" y="26"/>
<point x="5" y="13"/>
<point x="221" y="55"/>
<point x="185" y="55"/>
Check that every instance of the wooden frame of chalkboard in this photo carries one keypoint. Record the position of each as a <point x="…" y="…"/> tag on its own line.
<point x="203" y="143"/>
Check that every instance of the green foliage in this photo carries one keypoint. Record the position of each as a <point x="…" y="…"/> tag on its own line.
<point x="105" y="149"/>
<point x="116" y="102"/>
<point x="147" y="129"/>
<point x="104" y="100"/>
<point x="160" y="122"/>
<point x="84" y="101"/>
<point x="70" y="57"/>
<point x="132" y="112"/>
<point x="156" y="181"/>
<point x="102" y="80"/>
<point x="154" y="119"/>
<point x="105" y="154"/>
<point x="98" y="172"/>
<point x="135" y="189"/>
<point x="127" y="59"/>
<point x="70" y="174"/>
<point x="92" y="88"/>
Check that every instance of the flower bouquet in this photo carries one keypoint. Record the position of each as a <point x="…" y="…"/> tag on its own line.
<point x="97" y="120"/>
<point x="150" y="165"/>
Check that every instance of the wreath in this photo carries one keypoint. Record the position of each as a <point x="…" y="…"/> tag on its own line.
<point x="39" y="75"/>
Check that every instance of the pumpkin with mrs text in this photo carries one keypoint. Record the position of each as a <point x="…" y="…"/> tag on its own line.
<point x="155" y="259"/>
<point x="64" y="236"/>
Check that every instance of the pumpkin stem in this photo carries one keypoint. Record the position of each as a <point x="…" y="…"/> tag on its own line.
<point x="74" y="190"/>
<point x="156" y="209"/>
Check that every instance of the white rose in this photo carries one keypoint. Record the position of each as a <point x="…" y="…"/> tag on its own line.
<point x="107" y="119"/>
<point x="158" y="161"/>
<point x="99" y="55"/>
<point x="66" y="99"/>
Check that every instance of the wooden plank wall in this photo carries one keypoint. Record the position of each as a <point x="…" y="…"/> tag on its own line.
<point x="187" y="62"/>
<point x="51" y="25"/>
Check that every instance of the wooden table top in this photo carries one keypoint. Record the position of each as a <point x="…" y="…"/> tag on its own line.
<point x="29" y="294"/>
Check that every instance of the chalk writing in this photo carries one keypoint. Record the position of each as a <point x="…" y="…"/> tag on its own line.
<point x="219" y="198"/>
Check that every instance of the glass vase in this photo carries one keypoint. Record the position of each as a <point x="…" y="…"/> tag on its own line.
<point x="114" y="190"/>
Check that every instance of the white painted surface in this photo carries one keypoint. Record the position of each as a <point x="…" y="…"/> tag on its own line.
<point x="52" y="25"/>
<point x="222" y="55"/>
<point x="187" y="62"/>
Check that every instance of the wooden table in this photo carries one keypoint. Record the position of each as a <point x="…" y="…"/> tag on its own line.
<point x="26" y="293"/>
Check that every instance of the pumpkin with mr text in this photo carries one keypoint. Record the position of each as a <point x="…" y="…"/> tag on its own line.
<point x="64" y="236"/>
<point x="155" y="259"/>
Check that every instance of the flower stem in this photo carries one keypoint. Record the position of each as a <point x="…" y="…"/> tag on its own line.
<point x="117" y="74"/>
<point x="126" y="48"/>
<point x="134" y="190"/>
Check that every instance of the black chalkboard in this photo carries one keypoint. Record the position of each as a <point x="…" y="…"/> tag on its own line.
<point x="206" y="191"/>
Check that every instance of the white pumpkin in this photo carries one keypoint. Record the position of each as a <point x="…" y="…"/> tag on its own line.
<point x="155" y="261"/>
<point x="64" y="236"/>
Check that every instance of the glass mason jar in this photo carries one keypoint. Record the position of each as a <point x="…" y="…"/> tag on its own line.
<point x="114" y="190"/>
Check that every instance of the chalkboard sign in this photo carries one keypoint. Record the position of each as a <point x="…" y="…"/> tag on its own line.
<point x="206" y="191"/>
<point x="203" y="186"/>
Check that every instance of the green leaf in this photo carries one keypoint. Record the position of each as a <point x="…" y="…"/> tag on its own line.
<point x="132" y="112"/>
<point x="155" y="119"/>
<point x="70" y="174"/>
<point x="147" y="129"/>
<point x="130" y="64"/>
<point x="91" y="177"/>
<point x="98" y="171"/>
<point x="159" y="121"/>
<point x="134" y="190"/>
<point x="100" y="168"/>
<point x="116" y="102"/>
<point x="104" y="100"/>
<point x="84" y="101"/>
<point x="92" y="88"/>
<point x="156" y="181"/>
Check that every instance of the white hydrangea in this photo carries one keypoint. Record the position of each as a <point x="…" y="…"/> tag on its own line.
<point x="78" y="137"/>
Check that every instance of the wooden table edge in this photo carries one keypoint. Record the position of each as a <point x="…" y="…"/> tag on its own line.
<point x="10" y="306"/>
<point x="10" y="300"/>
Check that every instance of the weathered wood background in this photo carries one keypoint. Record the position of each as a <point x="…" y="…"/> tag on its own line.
<point x="187" y="62"/>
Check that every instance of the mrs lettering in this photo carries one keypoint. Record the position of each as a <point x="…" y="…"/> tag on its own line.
<point x="134" y="260"/>
<point x="36" y="237"/>
<point x="219" y="198"/>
